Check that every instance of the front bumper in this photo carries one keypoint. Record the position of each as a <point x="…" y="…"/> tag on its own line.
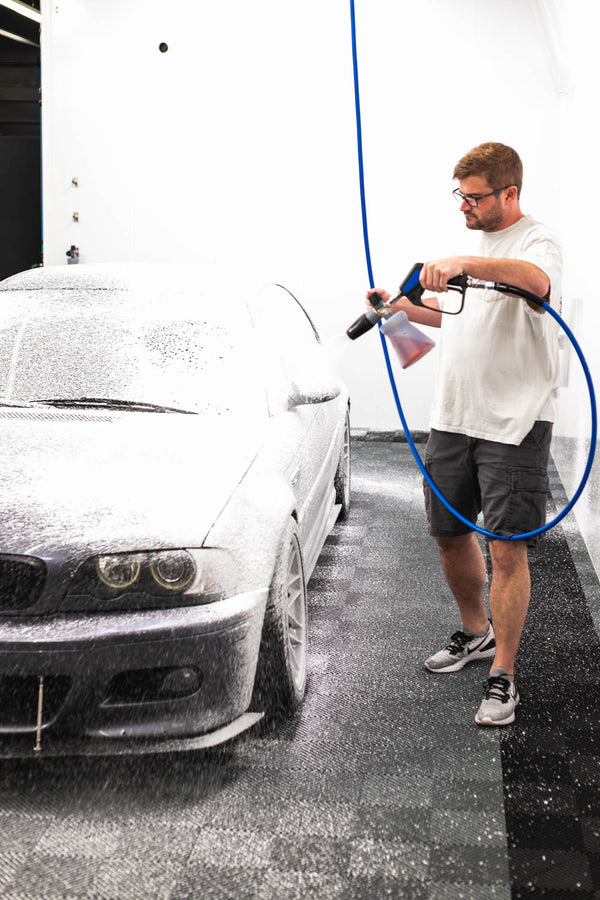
<point x="149" y="675"/>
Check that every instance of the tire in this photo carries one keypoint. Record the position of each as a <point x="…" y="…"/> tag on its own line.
<point x="281" y="674"/>
<point x="341" y="481"/>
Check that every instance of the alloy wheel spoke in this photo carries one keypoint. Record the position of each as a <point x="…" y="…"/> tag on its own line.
<point x="296" y="617"/>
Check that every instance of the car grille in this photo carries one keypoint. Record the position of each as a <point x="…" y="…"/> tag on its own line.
<point x="21" y="582"/>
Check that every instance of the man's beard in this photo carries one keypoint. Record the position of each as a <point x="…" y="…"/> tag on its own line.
<point x="487" y="222"/>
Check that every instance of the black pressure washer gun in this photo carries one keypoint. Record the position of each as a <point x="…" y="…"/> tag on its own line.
<point x="413" y="290"/>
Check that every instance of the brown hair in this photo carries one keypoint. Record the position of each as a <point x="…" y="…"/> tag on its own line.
<point x="500" y="165"/>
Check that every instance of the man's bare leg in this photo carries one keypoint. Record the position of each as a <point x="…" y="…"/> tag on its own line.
<point x="510" y="590"/>
<point x="465" y="571"/>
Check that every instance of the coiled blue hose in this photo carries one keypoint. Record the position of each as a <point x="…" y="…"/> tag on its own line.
<point x="547" y="308"/>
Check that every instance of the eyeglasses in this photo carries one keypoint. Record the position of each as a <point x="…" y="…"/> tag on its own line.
<point x="474" y="201"/>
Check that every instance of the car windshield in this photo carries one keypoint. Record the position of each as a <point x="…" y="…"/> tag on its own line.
<point x="78" y="354"/>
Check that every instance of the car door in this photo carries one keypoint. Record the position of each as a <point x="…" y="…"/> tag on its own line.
<point x="299" y="371"/>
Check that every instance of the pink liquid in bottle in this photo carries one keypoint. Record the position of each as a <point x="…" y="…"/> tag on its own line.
<point x="409" y="350"/>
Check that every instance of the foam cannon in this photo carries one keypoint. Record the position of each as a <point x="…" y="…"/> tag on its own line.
<point x="407" y="340"/>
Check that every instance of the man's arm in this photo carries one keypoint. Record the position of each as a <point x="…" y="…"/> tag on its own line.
<point x="523" y="274"/>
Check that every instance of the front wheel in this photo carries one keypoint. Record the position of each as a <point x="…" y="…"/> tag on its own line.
<point x="280" y="682"/>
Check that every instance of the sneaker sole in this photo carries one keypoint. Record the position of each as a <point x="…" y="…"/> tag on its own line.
<point x="461" y="663"/>
<point x="507" y="721"/>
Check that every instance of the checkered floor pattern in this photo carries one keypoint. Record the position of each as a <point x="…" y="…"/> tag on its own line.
<point x="384" y="787"/>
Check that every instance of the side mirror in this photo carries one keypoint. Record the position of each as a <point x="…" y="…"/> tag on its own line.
<point x="304" y="394"/>
<point x="312" y="379"/>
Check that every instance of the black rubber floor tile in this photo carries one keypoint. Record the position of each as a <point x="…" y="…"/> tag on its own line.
<point x="590" y="827"/>
<point x="585" y="770"/>
<point x="540" y="767"/>
<point x="594" y="864"/>
<point x="547" y="832"/>
<point x="583" y="737"/>
<point x="535" y="892"/>
<point x="525" y="738"/>
<point x="531" y="798"/>
<point x="588" y="800"/>
<point x="550" y="870"/>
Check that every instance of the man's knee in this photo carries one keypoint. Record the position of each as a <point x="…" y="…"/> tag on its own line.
<point x="508" y="556"/>
<point x="455" y="545"/>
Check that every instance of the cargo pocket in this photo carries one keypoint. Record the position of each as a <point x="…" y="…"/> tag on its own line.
<point x="427" y="492"/>
<point x="529" y="492"/>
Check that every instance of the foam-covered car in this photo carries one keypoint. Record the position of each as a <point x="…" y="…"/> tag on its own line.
<point x="173" y="457"/>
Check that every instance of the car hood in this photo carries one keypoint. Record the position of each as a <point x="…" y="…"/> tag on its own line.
<point x="87" y="482"/>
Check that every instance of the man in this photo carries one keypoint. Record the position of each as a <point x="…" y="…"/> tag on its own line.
<point x="492" y="417"/>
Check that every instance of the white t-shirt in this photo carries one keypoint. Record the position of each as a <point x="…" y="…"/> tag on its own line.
<point x="498" y="359"/>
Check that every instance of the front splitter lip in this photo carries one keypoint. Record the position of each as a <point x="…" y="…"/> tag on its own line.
<point x="24" y="747"/>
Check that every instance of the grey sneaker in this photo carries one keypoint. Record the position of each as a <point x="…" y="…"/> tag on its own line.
<point x="462" y="649"/>
<point x="500" y="700"/>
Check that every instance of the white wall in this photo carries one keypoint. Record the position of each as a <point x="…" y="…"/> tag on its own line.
<point x="578" y="199"/>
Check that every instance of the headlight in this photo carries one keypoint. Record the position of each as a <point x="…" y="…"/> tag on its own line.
<point x="173" y="571"/>
<point x="153" y="573"/>
<point x="118" y="572"/>
<point x="151" y="579"/>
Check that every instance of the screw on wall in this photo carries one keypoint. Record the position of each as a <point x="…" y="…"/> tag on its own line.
<point x="76" y="217"/>
<point x="75" y="181"/>
<point x="163" y="47"/>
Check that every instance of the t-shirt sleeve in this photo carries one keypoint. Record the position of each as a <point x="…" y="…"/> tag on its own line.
<point x="543" y="250"/>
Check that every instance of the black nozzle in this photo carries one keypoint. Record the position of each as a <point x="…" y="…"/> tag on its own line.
<point x="367" y="320"/>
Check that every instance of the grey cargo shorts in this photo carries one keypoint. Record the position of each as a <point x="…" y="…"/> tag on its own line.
<point x="508" y="483"/>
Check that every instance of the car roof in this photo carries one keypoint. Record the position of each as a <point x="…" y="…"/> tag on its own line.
<point x="166" y="290"/>
<point x="108" y="276"/>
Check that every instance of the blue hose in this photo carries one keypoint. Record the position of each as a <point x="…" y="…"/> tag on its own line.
<point x="547" y="308"/>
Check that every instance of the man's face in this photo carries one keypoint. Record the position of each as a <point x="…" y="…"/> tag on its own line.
<point x="488" y="215"/>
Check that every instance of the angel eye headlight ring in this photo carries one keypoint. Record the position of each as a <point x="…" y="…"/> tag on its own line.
<point x="118" y="572"/>
<point x="173" y="571"/>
